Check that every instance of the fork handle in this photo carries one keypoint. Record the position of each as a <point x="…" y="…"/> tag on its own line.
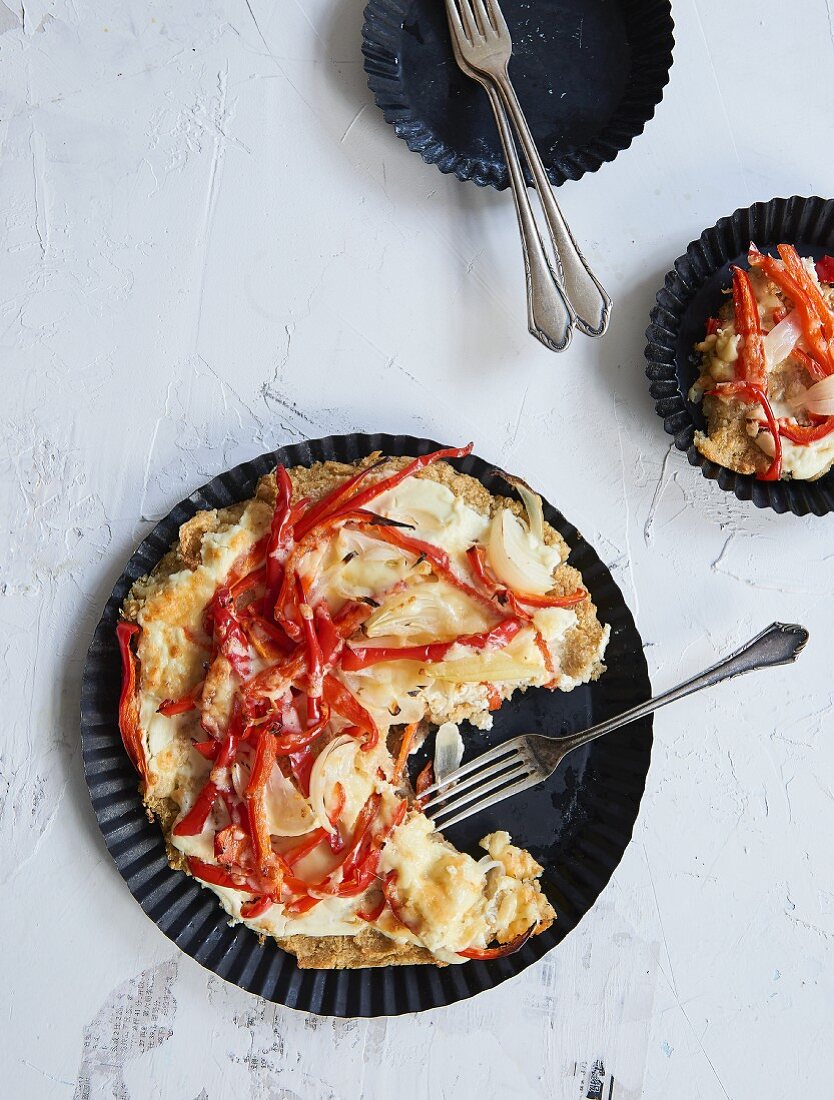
<point x="779" y="644"/>
<point x="549" y="316"/>
<point x="591" y="304"/>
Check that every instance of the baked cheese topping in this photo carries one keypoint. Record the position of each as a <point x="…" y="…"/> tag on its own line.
<point x="281" y="655"/>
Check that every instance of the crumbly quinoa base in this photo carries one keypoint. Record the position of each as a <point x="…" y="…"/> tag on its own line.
<point x="726" y="441"/>
<point x="580" y="661"/>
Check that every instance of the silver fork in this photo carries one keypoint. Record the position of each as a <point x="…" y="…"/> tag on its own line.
<point x="550" y="317"/>
<point x="483" y="47"/>
<point x="524" y="761"/>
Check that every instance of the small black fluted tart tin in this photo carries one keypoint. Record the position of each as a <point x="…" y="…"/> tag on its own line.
<point x="692" y="293"/>
<point x="589" y="75"/>
<point x="577" y="825"/>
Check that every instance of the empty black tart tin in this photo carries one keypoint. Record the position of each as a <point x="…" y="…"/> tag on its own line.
<point x="589" y="75"/>
<point x="577" y="825"/>
<point x="692" y="293"/>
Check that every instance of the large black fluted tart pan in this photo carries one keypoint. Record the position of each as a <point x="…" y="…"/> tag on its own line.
<point x="577" y="825"/>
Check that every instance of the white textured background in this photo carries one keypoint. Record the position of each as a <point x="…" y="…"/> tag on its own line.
<point x="212" y="245"/>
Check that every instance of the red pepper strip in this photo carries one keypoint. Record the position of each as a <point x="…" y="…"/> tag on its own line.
<point x="359" y="868"/>
<point x="438" y="558"/>
<point x="275" y="679"/>
<point x="825" y="269"/>
<point x="170" y="707"/>
<point x="396" y="820"/>
<point x="477" y="559"/>
<point x="129" y="725"/>
<point x="402" y="754"/>
<point x="811" y="365"/>
<point x="301" y="905"/>
<point x="435" y="554"/>
<point x="231" y="640"/>
<point x="259" y="831"/>
<point x="329" y="637"/>
<point x="218" y="876"/>
<point x="749" y="326"/>
<point x="257" y="907"/>
<point x="301" y="764"/>
<point x="361" y="879"/>
<point x="336" y="811"/>
<point x="242" y="569"/>
<point x="756" y="393"/>
<point x="262" y="765"/>
<point x="803" y="279"/>
<point x="266" y="647"/>
<point x="362" y="657"/>
<point x="361" y="830"/>
<point x="389" y="891"/>
<point x="713" y="325"/>
<point x="371" y="915"/>
<point x="280" y="535"/>
<point x="209" y="749"/>
<point x="315" y="669"/>
<point x="424" y="779"/>
<point x="285" y="607"/>
<point x="348" y="620"/>
<point x="365" y="496"/>
<point x="293" y="856"/>
<point x="779" y="315"/>
<point x="250" y="580"/>
<point x="812" y="324"/>
<point x="275" y="633"/>
<point x="328" y="504"/>
<point x="476" y="556"/>
<point x="228" y="747"/>
<point x="366" y="858"/>
<point x="194" y="821"/>
<point x="802" y="435"/>
<point x="550" y="668"/>
<point x="495" y="699"/>
<point x="570" y="600"/>
<point x="231" y="846"/>
<point x="486" y="953"/>
<point x="286" y="744"/>
<point x="340" y="700"/>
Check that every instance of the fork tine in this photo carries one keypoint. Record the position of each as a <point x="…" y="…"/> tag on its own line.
<point x="478" y="776"/>
<point x="496" y="16"/>
<point x="485" y="758"/>
<point x="472" y="30"/>
<point x="453" y="12"/>
<point x="456" y="801"/>
<point x="498" y="796"/>
<point x="482" y="17"/>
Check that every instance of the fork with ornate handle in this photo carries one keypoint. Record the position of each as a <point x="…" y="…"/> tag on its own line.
<point x="525" y="761"/>
<point x="483" y="47"/>
<point x="550" y="317"/>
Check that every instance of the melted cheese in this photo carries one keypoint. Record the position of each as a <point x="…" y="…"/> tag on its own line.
<point x="439" y="516"/>
<point x="806" y="462"/>
<point x="450" y="901"/>
<point x="442" y="891"/>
